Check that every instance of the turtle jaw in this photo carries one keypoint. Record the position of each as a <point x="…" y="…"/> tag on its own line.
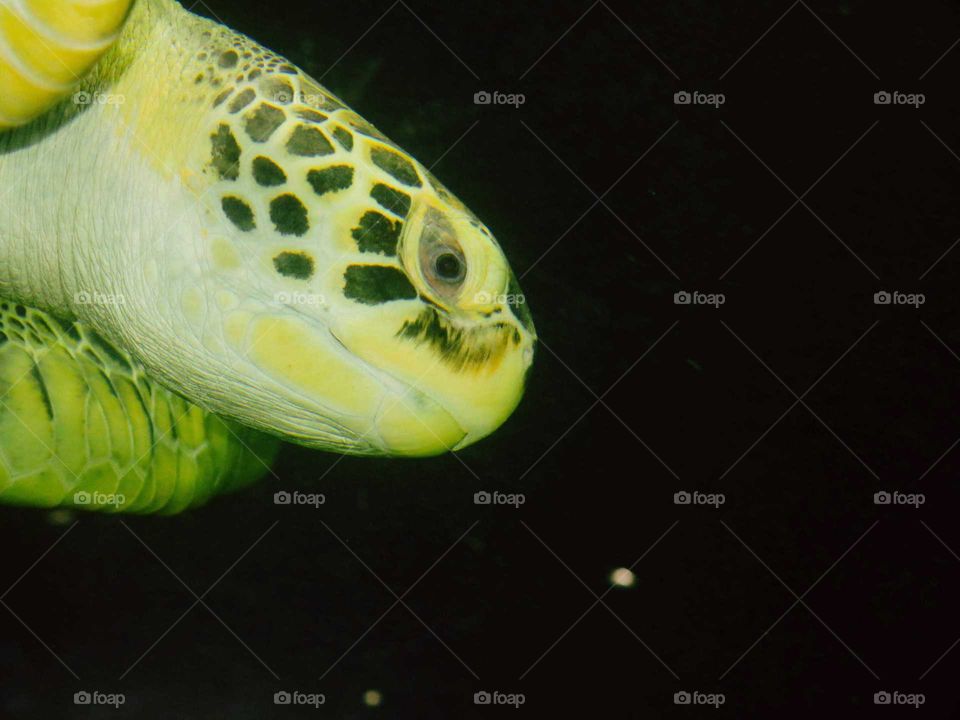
<point x="450" y="383"/>
<point x="445" y="411"/>
<point x="412" y="425"/>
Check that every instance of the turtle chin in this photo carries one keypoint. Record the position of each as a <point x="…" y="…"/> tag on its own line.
<point x="448" y="385"/>
<point x="433" y="417"/>
<point x="411" y="424"/>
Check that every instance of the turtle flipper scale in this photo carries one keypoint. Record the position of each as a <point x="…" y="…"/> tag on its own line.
<point x="81" y="426"/>
<point x="46" y="47"/>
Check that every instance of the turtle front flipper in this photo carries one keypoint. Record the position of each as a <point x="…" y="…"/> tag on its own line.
<point x="46" y="47"/>
<point x="82" y="426"/>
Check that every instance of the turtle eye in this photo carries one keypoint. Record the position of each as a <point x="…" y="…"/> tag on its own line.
<point x="442" y="262"/>
<point x="449" y="267"/>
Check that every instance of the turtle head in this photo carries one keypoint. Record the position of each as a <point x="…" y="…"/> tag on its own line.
<point x="448" y="321"/>
<point x="364" y="308"/>
<point x="294" y="270"/>
<point x="395" y="319"/>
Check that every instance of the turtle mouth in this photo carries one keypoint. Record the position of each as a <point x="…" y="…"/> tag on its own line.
<point x="479" y="375"/>
<point x="462" y="349"/>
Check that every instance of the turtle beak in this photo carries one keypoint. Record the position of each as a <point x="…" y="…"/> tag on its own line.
<point x="517" y="303"/>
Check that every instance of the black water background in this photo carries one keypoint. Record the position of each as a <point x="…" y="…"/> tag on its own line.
<point x="598" y="479"/>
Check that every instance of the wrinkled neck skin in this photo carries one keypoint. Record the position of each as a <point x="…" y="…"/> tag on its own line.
<point x="99" y="214"/>
<point x="72" y="182"/>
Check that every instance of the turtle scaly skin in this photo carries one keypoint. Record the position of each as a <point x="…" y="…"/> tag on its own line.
<point x="106" y="437"/>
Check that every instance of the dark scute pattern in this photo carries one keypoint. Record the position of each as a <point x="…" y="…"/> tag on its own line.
<point x="331" y="179"/>
<point x="267" y="173"/>
<point x="238" y="212"/>
<point x="343" y="137"/>
<point x="376" y="284"/>
<point x="297" y="265"/>
<point x="263" y="121"/>
<point x="225" y="157"/>
<point x="229" y="59"/>
<point x="396" y="165"/>
<point x="289" y="215"/>
<point x="241" y="101"/>
<point x="377" y="233"/>
<point x="311" y="115"/>
<point x="392" y="199"/>
<point x="308" y="142"/>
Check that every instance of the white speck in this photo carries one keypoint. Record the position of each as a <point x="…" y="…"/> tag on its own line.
<point x="623" y="577"/>
<point x="60" y="517"/>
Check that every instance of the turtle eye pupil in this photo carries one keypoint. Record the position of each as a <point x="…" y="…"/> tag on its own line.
<point x="448" y="267"/>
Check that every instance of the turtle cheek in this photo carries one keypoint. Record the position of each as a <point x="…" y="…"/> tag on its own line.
<point x="411" y="424"/>
<point x="470" y="375"/>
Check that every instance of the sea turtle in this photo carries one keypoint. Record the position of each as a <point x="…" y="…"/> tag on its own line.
<point x="202" y="249"/>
